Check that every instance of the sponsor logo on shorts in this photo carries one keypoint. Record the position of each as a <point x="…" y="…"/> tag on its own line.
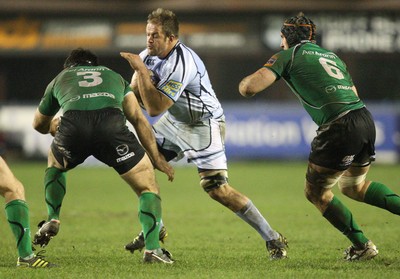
<point x="171" y="88"/>
<point x="66" y="153"/>
<point x="347" y="160"/>
<point x="122" y="149"/>
<point x="126" y="157"/>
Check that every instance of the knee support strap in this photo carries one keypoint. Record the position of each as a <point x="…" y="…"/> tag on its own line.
<point x="214" y="180"/>
<point x="324" y="180"/>
<point x="350" y="181"/>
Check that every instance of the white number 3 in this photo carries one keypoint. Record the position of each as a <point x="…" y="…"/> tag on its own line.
<point x="330" y="68"/>
<point x="91" y="79"/>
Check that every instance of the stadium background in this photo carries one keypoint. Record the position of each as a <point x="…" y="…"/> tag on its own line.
<point x="233" y="38"/>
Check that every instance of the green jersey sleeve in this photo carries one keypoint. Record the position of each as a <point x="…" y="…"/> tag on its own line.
<point x="49" y="105"/>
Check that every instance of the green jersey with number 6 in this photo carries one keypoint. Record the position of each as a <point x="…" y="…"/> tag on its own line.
<point x="319" y="78"/>
<point x="84" y="88"/>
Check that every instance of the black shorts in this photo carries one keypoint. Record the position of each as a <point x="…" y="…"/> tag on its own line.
<point x="101" y="133"/>
<point x="350" y="140"/>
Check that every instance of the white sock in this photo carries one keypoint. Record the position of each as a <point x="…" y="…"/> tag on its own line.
<point x="250" y="214"/>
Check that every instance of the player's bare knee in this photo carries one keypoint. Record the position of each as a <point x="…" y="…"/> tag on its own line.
<point x="13" y="191"/>
<point x="313" y="193"/>
<point x="308" y="193"/>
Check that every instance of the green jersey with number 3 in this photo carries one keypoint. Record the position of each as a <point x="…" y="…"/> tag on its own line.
<point x="319" y="78"/>
<point x="84" y="88"/>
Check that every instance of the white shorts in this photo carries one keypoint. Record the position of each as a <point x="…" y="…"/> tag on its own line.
<point x="202" y="143"/>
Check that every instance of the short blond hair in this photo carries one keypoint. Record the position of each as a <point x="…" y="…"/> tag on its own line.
<point x="167" y="19"/>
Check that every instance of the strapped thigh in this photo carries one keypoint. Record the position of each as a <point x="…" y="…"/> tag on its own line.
<point x="214" y="180"/>
<point x="324" y="180"/>
<point x="350" y="181"/>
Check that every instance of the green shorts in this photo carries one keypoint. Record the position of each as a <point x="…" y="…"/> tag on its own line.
<point x="349" y="140"/>
<point x="101" y="133"/>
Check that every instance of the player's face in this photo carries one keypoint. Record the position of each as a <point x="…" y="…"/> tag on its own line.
<point x="284" y="44"/>
<point x="158" y="44"/>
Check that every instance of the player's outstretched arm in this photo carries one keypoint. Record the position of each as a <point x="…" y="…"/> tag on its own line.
<point x="256" y="82"/>
<point x="145" y="134"/>
<point x="154" y="102"/>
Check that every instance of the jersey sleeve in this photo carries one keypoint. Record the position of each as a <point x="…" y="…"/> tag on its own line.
<point x="127" y="86"/>
<point x="278" y="63"/>
<point x="176" y="75"/>
<point x="49" y="104"/>
<point x="170" y="76"/>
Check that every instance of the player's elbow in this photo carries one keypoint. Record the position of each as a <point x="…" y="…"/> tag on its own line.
<point x="246" y="90"/>
<point x="158" y="106"/>
<point x="40" y="127"/>
<point x="153" y="112"/>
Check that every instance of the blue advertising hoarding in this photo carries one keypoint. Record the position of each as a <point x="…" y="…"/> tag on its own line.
<point x="254" y="131"/>
<point x="275" y="131"/>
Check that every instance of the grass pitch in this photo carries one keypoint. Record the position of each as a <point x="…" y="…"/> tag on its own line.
<point x="99" y="216"/>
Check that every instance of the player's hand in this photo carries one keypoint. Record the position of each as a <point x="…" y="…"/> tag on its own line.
<point x="163" y="166"/>
<point x="54" y="124"/>
<point x="134" y="83"/>
<point x="134" y="60"/>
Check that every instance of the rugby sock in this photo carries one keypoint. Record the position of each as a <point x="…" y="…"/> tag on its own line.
<point x="55" y="189"/>
<point x="149" y="217"/>
<point x="381" y="196"/>
<point x="342" y="219"/>
<point x="250" y="214"/>
<point x="17" y="213"/>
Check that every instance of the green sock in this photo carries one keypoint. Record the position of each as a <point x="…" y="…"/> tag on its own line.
<point x="17" y="213"/>
<point x="149" y="217"/>
<point x="55" y="189"/>
<point x="342" y="219"/>
<point x="381" y="196"/>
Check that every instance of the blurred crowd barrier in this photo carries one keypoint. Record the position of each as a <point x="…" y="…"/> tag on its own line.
<point x="255" y="131"/>
<point x="276" y="131"/>
<point x="33" y="48"/>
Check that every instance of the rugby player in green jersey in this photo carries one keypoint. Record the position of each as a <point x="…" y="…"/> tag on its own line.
<point x="342" y="151"/>
<point x="96" y="102"/>
<point x="17" y="214"/>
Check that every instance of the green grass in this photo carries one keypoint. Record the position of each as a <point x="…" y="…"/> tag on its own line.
<point x="99" y="216"/>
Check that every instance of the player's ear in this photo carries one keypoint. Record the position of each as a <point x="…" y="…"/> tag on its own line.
<point x="171" y="38"/>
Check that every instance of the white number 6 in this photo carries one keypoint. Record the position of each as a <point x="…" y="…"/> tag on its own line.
<point x="330" y="68"/>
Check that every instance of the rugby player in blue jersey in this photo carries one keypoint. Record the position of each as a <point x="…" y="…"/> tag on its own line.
<point x="192" y="124"/>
